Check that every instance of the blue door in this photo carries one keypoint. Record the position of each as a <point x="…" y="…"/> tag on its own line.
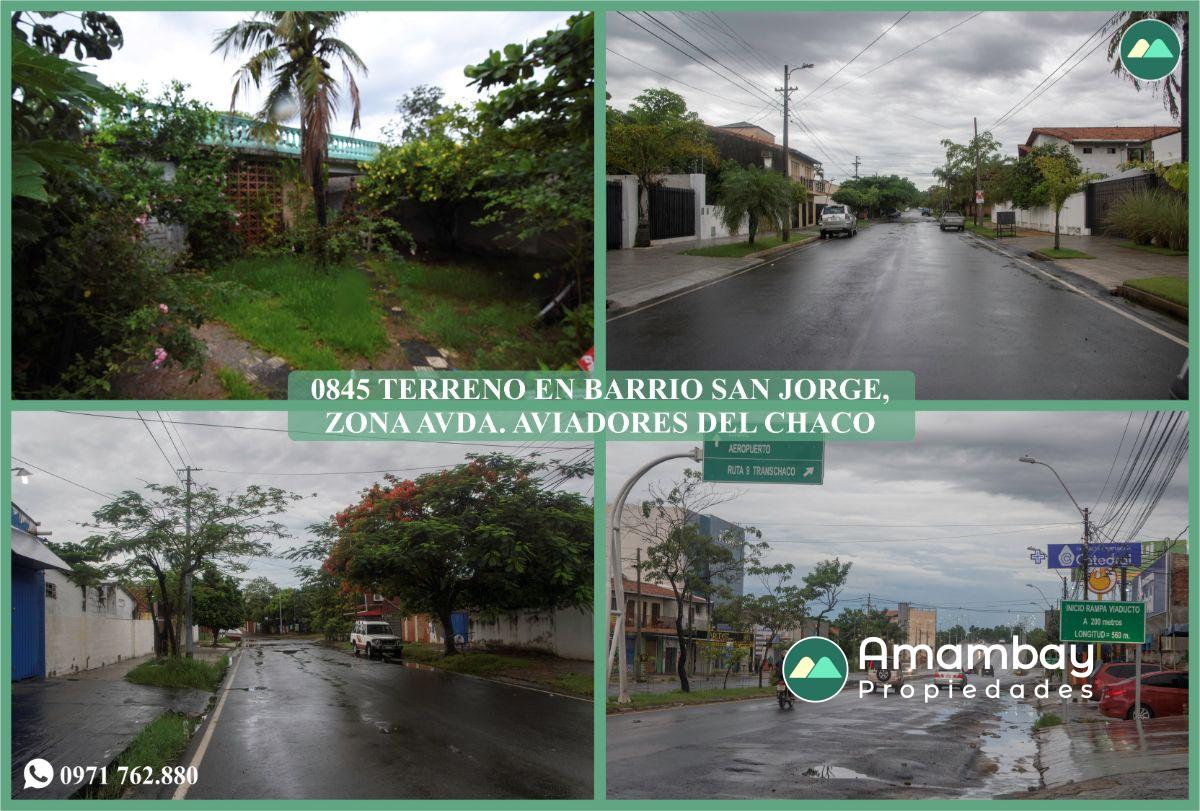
<point x="460" y="623"/>
<point x="28" y="623"/>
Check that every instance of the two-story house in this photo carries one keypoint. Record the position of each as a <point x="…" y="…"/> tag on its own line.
<point x="1102" y="150"/>
<point x="749" y="144"/>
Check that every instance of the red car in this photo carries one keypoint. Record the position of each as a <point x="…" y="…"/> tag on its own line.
<point x="1163" y="693"/>
<point x="1113" y="672"/>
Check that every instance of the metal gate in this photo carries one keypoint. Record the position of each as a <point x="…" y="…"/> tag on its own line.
<point x="613" y="216"/>
<point x="1099" y="196"/>
<point x="672" y="213"/>
<point x="28" y="623"/>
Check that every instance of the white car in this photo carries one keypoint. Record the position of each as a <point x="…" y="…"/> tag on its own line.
<point x="838" y="220"/>
<point x="376" y="640"/>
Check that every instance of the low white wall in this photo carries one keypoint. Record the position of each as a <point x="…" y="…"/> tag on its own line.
<point x="1071" y="219"/>
<point x="708" y="221"/>
<point x="564" y="632"/>
<point x="102" y="634"/>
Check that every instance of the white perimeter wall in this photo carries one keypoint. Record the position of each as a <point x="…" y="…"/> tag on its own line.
<point x="708" y="218"/>
<point x="104" y="634"/>
<point x="1071" y="219"/>
<point x="565" y="632"/>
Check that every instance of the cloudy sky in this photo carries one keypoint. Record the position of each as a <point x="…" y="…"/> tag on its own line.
<point x="110" y="455"/>
<point x="895" y="115"/>
<point x="944" y="520"/>
<point x="401" y="50"/>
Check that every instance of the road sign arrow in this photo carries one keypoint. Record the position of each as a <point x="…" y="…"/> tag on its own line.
<point x="808" y="471"/>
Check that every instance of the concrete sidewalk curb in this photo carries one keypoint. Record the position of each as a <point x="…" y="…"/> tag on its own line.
<point x="1152" y="301"/>
<point x="757" y="260"/>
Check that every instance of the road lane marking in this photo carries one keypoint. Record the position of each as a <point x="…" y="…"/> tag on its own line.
<point x="1082" y="292"/>
<point x="715" y="281"/>
<point x="181" y="792"/>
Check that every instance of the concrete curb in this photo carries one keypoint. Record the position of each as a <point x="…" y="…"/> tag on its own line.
<point x="758" y="260"/>
<point x="1152" y="301"/>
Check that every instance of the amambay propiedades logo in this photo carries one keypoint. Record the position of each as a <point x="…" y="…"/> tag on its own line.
<point x="815" y="669"/>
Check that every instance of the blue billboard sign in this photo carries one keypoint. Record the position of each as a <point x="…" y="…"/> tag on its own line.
<point x="1106" y="555"/>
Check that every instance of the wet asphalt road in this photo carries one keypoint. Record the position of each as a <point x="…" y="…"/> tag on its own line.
<point x="302" y="721"/>
<point x="846" y="748"/>
<point x="970" y="322"/>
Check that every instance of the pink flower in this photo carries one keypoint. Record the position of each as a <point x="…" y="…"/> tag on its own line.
<point x="164" y="309"/>
<point x="141" y="220"/>
<point x="160" y="357"/>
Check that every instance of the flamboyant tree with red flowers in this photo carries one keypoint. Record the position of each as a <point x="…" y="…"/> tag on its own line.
<point x="490" y="535"/>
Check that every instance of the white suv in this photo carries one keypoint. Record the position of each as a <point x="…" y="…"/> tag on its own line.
<point x="375" y="639"/>
<point x="838" y="219"/>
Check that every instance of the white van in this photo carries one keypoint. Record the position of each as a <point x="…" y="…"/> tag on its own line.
<point x="375" y="639"/>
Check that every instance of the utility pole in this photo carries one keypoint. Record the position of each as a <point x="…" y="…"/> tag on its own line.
<point x="1087" y="539"/>
<point x="787" y="156"/>
<point x="638" y="673"/>
<point x="976" y="120"/>
<point x="189" y="644"/>
<point x="281" y="613"/>
<point x="857" y="161"/>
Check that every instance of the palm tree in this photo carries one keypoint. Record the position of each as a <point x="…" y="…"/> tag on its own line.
<point x="1174" y="91"/>
<point x="293" y="52"/>
<point x="755" y="196"/>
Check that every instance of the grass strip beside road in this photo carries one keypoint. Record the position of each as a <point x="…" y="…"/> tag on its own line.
<point x="987" y="231"/>
<point x="537" y="669"/>
<point x="1171" y="288"/>
<point x="1064" y="253"/>
<point x="737" y="250"/>
<point x="1046" y="721"/>
<point x="160" y="743"/>
<point x="676" y="698"/>
<point x="1153" y="249"/>
<point x="177" y="671"/>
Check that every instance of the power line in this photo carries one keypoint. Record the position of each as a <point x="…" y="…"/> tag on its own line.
<point x="182" y="461"/>
<point x="679" y="81"/>
<point x="856" y="56"/>
<point x="1064" y="75"/>
<point x="146" y="425"/>
<point x="63" y="478"/>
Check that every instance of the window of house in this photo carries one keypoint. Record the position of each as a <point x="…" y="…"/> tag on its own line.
<point x="51" y="591"/>
<point x="655" y="612"/>
<point x="1087" y="150"/>
<point x="1112" y="150"/>
<point x="1138" y="154"/>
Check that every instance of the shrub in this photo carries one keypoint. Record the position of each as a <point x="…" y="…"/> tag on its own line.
<point x="1151" y="216"/>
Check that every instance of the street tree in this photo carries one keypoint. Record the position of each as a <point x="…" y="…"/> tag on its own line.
<point x="824" y="584"/>
<point x="217" y="602"/>
<point x="657" y="135"/>
<point x="757" y="197"/>
<point x="147" y="535"/>
<point x="856" y="624"/>
<point x="959" y="171"/>
<point x="1023" y="182"/>
<point x="489" y="535"/>
<point x="683" y="558"/>
<point x="256" y="599"/>
<point x="293" y="53"/>
<point x="417" y="109"/>
<point x="783" y="606"/>
<point x="1061" y="179"/>
<point x="1174" y="89"/>
<point x="880" y="192"/>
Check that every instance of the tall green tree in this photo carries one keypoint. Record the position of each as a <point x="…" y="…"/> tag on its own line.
<point x="879" y="192"/>
<point x="856" y="624"/>
<point x="824" y="584"/>
<point x="417" y="109"/>
<point x="487" y="536"/>
<point x="146" y="535"/>
<point x="655" y="136"/>
<point x="1061" y="179"/>
<point x="217" y="603"/>
<point x="293" y="53"/>
<point x="782" y="607"/>
<point x="1174" y="89"/>
<point x="756" y="196"/>
<point x="256" y="599"/>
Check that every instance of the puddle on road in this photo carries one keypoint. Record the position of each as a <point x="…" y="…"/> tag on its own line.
<point x="1010" y="747"/>
<point x="828" y="772"/>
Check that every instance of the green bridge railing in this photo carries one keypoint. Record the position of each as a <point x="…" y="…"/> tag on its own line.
<point x="239" y="132"/>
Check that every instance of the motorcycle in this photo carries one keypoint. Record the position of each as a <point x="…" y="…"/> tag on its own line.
<point x="784" y="696"/>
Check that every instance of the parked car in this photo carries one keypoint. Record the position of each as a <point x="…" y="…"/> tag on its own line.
<point x="375" y="639"/>
<point x="1179" y="386"/>
<point x="925" y="212"/>
<point x="1113" y="672"/>
<point x="838" y="220"/>
<point x="950" y="678"/>
<point x="887" y="675"/>
<point x="1163" y="693"/>
<point x="952" y="219"/>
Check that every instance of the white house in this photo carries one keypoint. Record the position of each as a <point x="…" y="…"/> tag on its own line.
<point x="1103" y="149"/>
<point x="92" y="627"/>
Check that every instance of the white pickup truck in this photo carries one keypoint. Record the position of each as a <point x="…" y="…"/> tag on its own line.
<point x="952" y="219"/>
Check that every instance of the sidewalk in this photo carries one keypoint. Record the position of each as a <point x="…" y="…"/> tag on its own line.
<point x="1113" y="265"/>
<point x="86" y="719"/>
<point x="640" y="276"/>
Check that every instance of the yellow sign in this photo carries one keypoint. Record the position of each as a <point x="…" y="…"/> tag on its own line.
<point x="1101" y="581"/>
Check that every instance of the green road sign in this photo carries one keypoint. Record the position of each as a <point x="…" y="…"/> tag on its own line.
<point x="1150" y="50"/>
<point x="815" y="669"/>
<point x="765" y="462"/>
<point x="1095" y="621"/>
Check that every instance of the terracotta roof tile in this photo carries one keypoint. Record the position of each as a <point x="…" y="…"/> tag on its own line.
<point x="1072" y="134"/>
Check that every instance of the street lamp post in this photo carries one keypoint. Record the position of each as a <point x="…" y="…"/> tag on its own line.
<point x="787" y="157"/>
<point x="1083" y="511"/>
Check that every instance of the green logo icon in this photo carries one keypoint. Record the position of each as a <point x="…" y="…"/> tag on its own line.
<point x="815" y="669"/>
<point x="1150" y="50"/>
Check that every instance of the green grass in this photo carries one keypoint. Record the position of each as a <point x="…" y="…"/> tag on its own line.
<point x="160" y="743"/>
<point x="642" y="701"/>
<point x="313" y="318"/>
<point x="177" y="671"/>
<point x="986" y="229"/>
<point x="486" y="315"/>
<point x="238" y="387"/>
<point x="1064" y="253"/>
<point x="577" y="684"/>
<point x="1046" y="721"/>
<point x="475" y="664"/>
<point x="1169" y="287"/>
<point x="1153" y="249"/>
<point x="736" y="250"/>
